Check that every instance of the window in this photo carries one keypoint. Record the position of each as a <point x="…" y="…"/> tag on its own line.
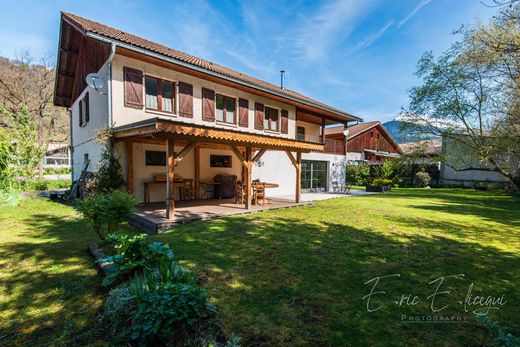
<point x="371" y="134"/>
<point x="160" y="94"/>
<point x="300" y="133"/>
<point x="86" y="161"/>
<point x="155" y="158"/>
<point x="271" y="119"/>
<point x="84" y="111"/>
<point x="220" y="160"/>
<point x="378" y="136"/>
<point x="226" y="109"/>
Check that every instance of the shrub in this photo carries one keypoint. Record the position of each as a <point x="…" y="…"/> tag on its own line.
<point x="108" y="175"/>
<point x="134" y="253"/>
<point x="358" y="174"/>
<point x="119" y="309"/>
<point x="381" y="182"/>
<point x="170" y="306"/>
<point x="422" y="179"/>
<point x="106" y="212"/>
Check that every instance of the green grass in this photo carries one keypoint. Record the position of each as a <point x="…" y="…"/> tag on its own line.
<point x="287" y="277"/>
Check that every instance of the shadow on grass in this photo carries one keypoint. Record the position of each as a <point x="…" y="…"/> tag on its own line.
<point x="51" y="292"/>
<point x="287" y="281"/>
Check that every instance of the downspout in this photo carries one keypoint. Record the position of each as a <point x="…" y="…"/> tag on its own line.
<point x="109" y="83"/>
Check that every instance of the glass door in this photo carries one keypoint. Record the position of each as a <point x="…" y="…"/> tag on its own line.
<point x="314" y="176"/>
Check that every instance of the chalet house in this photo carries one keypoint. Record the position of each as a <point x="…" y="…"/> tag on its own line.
<point x="365" y="142"/>
<point x="181" y="122"/>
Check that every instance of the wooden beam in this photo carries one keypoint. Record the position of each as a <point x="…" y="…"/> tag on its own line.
<point x="130" y="167"/>
<point x="184" y="152"/>
<point x="197" y="172"/>
<point x="239" y="155"/>
<point x="170" y="186"/>
<point x="298" y="177"/>
<point x="249" y="167"/>
<point x="293" y="161"/>
<point x="259" y="155"/>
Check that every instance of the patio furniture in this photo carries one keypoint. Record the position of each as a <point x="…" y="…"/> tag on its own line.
<point x="259" y="193"/>
<point x="226" y="189"/>
<point x="207" y="189"/>
<point x="159" y="180"/>
<point x="240" y="193"/>
<point x="187" y="191"/>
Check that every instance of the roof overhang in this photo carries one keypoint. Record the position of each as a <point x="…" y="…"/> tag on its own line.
<point x="382" y="154"/>
<point x="161" y="128"/>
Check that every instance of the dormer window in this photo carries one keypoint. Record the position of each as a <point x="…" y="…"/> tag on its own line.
<point x="160" y="94"/>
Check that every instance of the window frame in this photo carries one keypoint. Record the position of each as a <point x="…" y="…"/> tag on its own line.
<point x="160" y="96"/>
<point x="224" y="110"/>
<point x="268" y="128"/>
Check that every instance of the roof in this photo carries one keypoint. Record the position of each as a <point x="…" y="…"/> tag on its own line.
<point x="358" y="129"/>
<point x="155" y="126"/>
<point x="430" y="147"/>
<point x="382" y="153"/>
<point x="103" y="32"/>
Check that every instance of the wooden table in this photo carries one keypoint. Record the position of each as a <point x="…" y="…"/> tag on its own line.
<point x="177" y="182"/>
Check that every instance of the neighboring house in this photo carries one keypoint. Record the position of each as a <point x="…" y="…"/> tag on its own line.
<point x="57" y="155"/>
<point x="177" y="115"/>
<point x="423" y="152"/>
<point x="461" y="166"/>
<point x="366" y="142"/>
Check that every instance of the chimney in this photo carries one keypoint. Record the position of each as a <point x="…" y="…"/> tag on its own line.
<point x="282" y="79"/>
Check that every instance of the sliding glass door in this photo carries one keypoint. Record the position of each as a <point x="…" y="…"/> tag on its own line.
<point x="314" y="176"/>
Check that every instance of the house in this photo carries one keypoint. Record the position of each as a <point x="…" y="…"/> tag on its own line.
<point x="365" y="142"/>
<point x="181" y="120"/>
<point x="423" y="151"/>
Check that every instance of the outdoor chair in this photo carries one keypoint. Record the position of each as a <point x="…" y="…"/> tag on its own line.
<point x="259" y="193"/>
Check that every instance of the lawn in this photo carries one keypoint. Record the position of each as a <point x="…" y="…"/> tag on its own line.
<point x="288" y="277"/>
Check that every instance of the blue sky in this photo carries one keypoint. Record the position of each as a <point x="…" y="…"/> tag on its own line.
<point x="357" y="55"/>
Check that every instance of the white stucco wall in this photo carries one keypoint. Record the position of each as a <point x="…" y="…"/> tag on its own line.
<point x="124" y="115"/>
<point x="83" y="137"/>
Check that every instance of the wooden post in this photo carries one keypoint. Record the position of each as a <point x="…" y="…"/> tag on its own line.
<point x="298" y="177"/>
<point x="322" y="131"/>
<point x="197" y="172"/>
<point x="129" y="167"/>
<point x="170" y="185"/>
<point x="248" y="177"/>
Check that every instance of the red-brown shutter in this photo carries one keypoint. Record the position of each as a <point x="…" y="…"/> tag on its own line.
<point x="259" y="116"/>
<point x="284" y="128"/>
<point x="243" y="112"/>
<point x="208" y="105"/>
<point x="133" y="87"/>
<point x="185" y="100"/>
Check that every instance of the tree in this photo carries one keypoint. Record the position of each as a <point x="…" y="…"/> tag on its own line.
<point x="27" y="85"/>
<point x="470" y="95"/>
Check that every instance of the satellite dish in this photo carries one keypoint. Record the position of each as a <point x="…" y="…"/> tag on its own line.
<point x="95" y="81"/>
<point x="346" y="132"/>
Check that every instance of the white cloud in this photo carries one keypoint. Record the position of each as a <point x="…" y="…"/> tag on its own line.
<point x="331" y="22"/>
<point x="370" y="39"/>
<point x="412" y="13"/>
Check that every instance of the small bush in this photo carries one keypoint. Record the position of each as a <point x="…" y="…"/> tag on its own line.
<point x="381" y="182"/>
<point x="106" y="212"/>
<point x="358" y="174"/>
<point x="422" y="179"/>
<point x="119" y="309"/>
<point x="169" y="307"/>
<point x="134" y="253"/>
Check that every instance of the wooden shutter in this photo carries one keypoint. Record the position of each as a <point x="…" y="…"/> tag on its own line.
<point x="87" y="108"/>
<point x="243" y="112"/>
<point x="259" y="116"/>
<point x="133" y="87"/>
<point x="185" y="100"/>
<point x="284" y="127"/>
<point x="208" y="105"/>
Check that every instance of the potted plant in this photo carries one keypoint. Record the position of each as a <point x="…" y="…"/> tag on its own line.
<point x="380" y="185"/>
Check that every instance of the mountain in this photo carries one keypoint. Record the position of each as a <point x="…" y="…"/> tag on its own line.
<point x="402" y="136"/>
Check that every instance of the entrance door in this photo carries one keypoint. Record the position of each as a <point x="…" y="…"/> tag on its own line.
<point x="314" y="176"/>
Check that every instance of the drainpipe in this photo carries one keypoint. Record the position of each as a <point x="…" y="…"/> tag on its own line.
<point x="109" y="83"/>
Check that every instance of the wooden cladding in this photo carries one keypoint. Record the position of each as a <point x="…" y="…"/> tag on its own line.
<point x="133" y="87"/>
<point x="208" y="105"/>
<point x="259" y="116"/>
<point x="185" y="100"/>
<point x="243" y="113"/>
<point x="284" y="126"/>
